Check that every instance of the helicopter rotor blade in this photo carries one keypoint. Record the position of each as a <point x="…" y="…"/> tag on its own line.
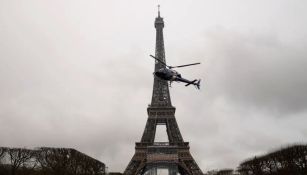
<point x="183" y="65"/>
<point x="159" y="60"/>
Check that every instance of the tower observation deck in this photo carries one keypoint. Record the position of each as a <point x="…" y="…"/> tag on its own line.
<point x="174" y="154"/>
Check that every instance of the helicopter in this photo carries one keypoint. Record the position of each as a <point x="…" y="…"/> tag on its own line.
<point x="167" y="73"/>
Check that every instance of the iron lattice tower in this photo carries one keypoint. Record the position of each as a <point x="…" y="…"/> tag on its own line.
<point x="150" y="155"/>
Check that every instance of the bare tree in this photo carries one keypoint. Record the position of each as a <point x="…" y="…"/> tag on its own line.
<point x="2" y="153"/>
<point x="289" y="160"/>
<point x="65" y="161"/>
<point x="49" y="161"/>
<point x="18" y="157"/>
<point x="53" y="161"/>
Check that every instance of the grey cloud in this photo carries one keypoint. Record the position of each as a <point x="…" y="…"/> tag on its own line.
<point x="259" y="70"/>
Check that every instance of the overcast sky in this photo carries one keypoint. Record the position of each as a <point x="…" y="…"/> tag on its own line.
<point x="76" y="73"/>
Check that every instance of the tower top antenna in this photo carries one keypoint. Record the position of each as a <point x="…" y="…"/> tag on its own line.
<point x="159" y="10"/>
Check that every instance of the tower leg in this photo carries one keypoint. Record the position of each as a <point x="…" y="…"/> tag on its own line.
<point x="154" y="171"/>
<point x="173" y="170"/>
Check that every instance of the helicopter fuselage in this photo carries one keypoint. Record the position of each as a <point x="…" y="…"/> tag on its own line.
<point x="171" y="75"/>
<point x="167" y="74"/>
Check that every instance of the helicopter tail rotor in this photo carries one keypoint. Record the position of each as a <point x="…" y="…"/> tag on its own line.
<point x="197" y="84"/>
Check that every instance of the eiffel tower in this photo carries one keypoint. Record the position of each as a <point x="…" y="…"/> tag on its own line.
<point x="173" y="155"/>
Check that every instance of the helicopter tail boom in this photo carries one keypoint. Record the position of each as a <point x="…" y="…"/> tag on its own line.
<point x="195" y="82"/>
<point x="192" y="82"/>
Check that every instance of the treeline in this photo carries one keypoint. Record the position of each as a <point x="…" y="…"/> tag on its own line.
<point x="48" y="161"/>
<point x="225" y="172"/>
<point x="222" y="172"/>
<point x="291" y="160"/>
